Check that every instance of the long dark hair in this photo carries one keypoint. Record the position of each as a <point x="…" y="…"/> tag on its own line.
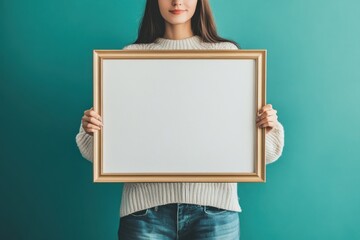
<point x="202" y="24"/>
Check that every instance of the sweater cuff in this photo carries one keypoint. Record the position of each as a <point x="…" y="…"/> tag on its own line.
<point x="274" y="143"/>
<point x="85" y="142"/>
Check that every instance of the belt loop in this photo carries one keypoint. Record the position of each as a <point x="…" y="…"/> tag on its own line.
<point x="156" y="208"/>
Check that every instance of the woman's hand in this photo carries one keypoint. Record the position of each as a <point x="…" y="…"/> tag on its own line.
<point x="267" y="118"/>
<point x="91" y="121"/>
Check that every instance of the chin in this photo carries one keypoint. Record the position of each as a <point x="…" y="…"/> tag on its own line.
<point x="177" y="20"/>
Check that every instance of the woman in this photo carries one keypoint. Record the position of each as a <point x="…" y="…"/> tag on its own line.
<point x="181" y="210"/>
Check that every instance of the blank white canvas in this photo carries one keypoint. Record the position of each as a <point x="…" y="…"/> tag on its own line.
<point x="178" y="115"/>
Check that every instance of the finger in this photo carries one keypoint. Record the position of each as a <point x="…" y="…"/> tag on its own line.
<point x="264" y="108"/>
<point x="271" y="112"/>
<point x="89" y="126"/>
<point x="92" y="113"/>
<point x="267" y="119"/>
<point x="93" y="121"/>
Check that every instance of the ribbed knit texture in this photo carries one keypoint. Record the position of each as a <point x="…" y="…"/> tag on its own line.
<point x="139" y="196"/>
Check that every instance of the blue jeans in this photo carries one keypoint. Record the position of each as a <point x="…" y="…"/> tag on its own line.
<point x="180" y="221"/>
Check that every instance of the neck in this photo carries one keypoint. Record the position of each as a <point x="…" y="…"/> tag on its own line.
<point x="178" y="31"/>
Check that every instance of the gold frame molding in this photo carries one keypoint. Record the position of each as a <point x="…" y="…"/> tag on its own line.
<point x="259" y="175"/>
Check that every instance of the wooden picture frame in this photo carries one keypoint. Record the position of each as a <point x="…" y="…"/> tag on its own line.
<point x="179" y="115"/>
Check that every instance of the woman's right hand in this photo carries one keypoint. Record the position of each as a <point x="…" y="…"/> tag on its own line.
<point x="91" y="121"/>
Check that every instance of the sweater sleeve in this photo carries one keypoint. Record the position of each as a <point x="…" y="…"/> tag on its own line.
<point x="85" y="144"/>
<point x="274" y="143"/>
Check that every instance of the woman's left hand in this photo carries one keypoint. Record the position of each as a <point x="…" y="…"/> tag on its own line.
<point x="267" y="118"/>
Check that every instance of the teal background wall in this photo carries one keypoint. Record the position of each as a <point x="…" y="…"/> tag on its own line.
<point x="312" y="191"/>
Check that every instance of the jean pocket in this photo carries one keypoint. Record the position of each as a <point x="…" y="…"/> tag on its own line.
<point x="213" y="210"/>
<point x="140" y="213"/>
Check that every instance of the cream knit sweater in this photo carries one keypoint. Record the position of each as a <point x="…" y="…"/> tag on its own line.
<point x="139" y="196"/>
